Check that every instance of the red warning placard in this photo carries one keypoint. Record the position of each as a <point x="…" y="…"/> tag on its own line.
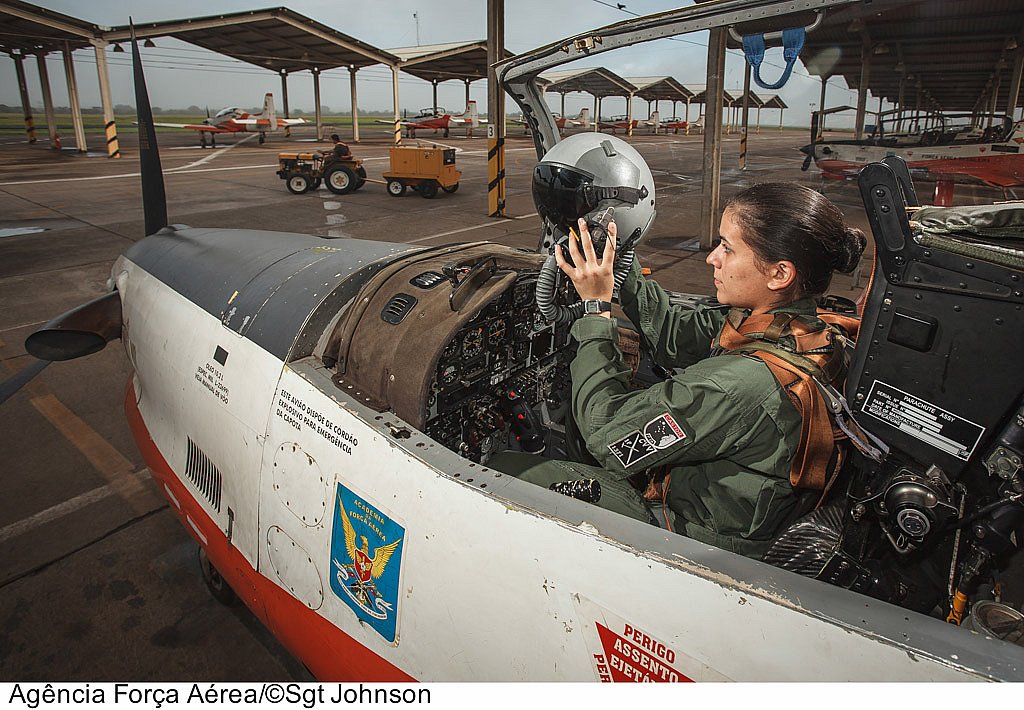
<point x="634" y="656"/>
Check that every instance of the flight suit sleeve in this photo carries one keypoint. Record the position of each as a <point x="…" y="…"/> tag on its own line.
<point x="673" y="335"/>
<point x="690" y="417"/>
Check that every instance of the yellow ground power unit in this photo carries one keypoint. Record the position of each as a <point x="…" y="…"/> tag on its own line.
<point x="424" y="169"/>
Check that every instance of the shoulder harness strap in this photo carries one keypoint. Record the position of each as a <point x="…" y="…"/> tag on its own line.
<point x="798" y="350"/>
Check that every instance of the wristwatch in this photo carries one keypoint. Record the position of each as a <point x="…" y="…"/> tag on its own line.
<point x="594" y="306"/>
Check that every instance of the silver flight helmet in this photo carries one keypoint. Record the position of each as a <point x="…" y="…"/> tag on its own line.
<point x="587" y="172"/>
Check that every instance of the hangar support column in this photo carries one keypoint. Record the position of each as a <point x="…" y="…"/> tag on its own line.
<point x="284" y="93"/>
<point x="76" y="109"/>
<point x="316" y="100"/>
<point x="109" y="124"/>
<point x="44" y="85"/>
<point x="394" y="98"/>
<point x="26" y="105"/>
<point x="821" y="108"/>
<point x="745" y="116"/>
<point x="467" y="92"/>
<point x="862" y="90"/>
<point x="1018" y="70"/>
<point x="355" y="103"/>
<point x="495" y="110"/>
<point x="711" y="176"/>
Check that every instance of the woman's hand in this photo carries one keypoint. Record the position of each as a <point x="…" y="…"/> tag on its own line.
<point x="593" y="277"/>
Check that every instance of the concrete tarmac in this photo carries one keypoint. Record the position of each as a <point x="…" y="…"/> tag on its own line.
<point x="97" y="579"/>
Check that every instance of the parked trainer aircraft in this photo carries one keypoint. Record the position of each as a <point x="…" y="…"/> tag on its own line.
<point x="320" y="414"/>
<point x="617" y="122"/>
<point x="580" y="120"/>
<point x="674" y="124"/>
<point x="235" y="120"/>
<point x="469" y="120"/>
<point x="946" y="146"/>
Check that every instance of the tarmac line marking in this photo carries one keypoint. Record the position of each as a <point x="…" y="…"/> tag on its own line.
<point x="23" y="325"/>
<point x="466" y="229"/>
<point x="62" y="509"/>
<point x="169" y="171"/>
<point x="214" y="154"/>
<point x="110" y="462"/>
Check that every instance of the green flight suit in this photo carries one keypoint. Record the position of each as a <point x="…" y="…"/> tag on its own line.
<point x="723" y="426"/>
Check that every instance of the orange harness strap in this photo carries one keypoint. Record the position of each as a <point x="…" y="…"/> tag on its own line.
<point x="758" y="336"/>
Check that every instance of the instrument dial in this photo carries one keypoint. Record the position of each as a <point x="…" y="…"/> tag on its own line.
<point x="449" y="375"/>
<point x="473" y="343"/>
<point x="496" y="331"/>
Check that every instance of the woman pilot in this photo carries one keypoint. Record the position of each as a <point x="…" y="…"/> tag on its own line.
<point x="718" y="443"/>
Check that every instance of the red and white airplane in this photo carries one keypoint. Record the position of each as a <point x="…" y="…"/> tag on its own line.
<point x="235" y="120"/>
<point x="674" y="124"/>
<point x="319" y="418"/>
<point x="580" y="120"/>
<point x="618" y="122"/>
<point x="469" y="120"/>
<point x="947" y="147"/>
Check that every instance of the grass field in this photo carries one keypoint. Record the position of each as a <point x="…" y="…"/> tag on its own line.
<point x="14" y="122"/>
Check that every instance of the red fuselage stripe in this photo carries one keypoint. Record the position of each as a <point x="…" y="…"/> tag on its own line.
<point x="329" y="653"/>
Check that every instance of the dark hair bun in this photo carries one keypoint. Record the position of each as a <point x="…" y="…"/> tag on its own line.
<point x="849" y="248"/>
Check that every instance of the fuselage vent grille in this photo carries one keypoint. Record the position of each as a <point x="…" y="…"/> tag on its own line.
<point x="400" y="305"/>
<point x="203" y="474"/>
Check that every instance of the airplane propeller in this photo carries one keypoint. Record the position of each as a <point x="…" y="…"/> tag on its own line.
<point x="86" y="329"/>
<point x="809" y="150"/>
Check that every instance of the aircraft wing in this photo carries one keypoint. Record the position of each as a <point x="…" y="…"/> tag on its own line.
<point x="194" y="127"/>
<point x="253" y="122"/>
<point x="290" y="121"/>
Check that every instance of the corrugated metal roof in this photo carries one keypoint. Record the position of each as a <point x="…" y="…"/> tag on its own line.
<point x="593" y="80"/>
<point x="659" y="88"/>
<point x="945" y="51"/>
<point x="442" y="62"/>
<point x="277" y="39"/>
<point x="28" y="29"/>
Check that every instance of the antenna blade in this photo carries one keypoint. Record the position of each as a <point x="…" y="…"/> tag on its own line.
<point x="154" y="199"/>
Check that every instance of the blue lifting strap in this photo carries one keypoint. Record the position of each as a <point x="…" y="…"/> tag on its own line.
<point x="792" y="43"/>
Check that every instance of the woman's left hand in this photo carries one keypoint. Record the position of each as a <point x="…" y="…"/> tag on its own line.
<point x="592" y="277"/>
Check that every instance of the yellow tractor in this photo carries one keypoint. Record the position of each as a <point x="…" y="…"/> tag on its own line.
<point x="303" y="172"/>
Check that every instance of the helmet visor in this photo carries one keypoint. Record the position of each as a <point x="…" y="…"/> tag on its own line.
<point x="560" y="193"/>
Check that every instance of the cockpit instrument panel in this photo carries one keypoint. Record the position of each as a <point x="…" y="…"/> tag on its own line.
<point x="505" y="360"/>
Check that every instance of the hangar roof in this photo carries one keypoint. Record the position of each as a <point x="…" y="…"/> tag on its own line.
<point x="278" y="39"/>
<point x="593" y="80"/>
<point x="28" y="29"/>
<point x="442" y="62"/>
<point x="949" y="51"/>
<point x="659" y="88"/>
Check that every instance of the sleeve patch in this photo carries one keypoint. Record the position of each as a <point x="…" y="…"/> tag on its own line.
<point x="658" y="434"/>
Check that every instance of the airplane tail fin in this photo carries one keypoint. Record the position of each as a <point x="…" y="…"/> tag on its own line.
<point x="268" y="109"/>
<point x="472" y="115"/>
<point x="154" y="198"/>
<point x="655" y="121"/>
<point x="585" y="117"/>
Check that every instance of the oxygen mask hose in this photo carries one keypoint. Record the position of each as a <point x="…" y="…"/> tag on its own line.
<point x="597" y="226"/>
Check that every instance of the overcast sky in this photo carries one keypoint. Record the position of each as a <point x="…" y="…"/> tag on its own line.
<point x="180" y="74"/>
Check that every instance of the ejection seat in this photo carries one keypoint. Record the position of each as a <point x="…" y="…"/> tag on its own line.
<point x="936" y="367"/>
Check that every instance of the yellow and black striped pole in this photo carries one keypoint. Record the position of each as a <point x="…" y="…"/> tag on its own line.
<point x="19" y="67"/>
<point x="394" y="91"/>
<point x="495" y="172"/>
<point x="495" y="110"/>
<point x="109" y="125"/>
